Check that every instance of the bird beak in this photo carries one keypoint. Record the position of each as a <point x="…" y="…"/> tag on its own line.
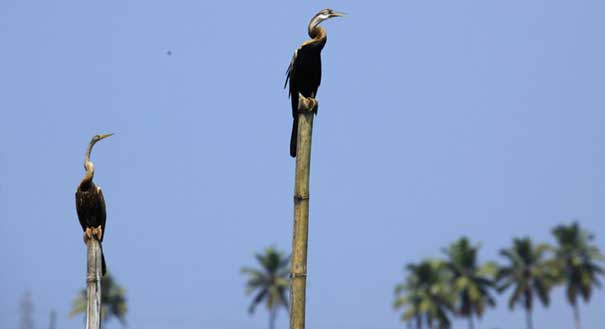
<point x="337" y="14"/>
<point x="104" y="136"/>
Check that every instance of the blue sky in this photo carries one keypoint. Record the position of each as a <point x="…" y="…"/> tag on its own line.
<point x="437" y="119"/>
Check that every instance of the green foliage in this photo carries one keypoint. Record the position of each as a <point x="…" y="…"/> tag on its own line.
<point x="527" y="272"/>
<point x="113" y="301"/>
<point x="269" y="283"/>
<point x="577" y="264"/>
<point x="577" y="261"/>
<point x="435" y="289"/>
<point x="470" y="283"/>
<point x="425" y="295"/>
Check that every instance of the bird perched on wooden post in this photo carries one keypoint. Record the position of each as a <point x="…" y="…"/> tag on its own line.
<point x="90" y="204"/>
<point x="304" y="72"/>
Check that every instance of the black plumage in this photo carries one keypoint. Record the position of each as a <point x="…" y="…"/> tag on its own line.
<point x="90" y="203"/>
<point x="304" y="71"/>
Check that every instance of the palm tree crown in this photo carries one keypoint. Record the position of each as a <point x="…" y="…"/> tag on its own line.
<point x="470" y="283"/>
<point x="577" y="263"/>
<point x="270" y="282"/>
<point x="425" y="296"/>
<point x="528" y="273"/>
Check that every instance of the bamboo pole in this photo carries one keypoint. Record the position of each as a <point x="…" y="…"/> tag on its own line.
<point x="93" y="284"/>
<point x="298" y="270"/>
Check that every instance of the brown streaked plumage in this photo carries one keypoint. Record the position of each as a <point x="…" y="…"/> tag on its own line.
<point x="90" y="204"/>
<point x="304" y="72"/>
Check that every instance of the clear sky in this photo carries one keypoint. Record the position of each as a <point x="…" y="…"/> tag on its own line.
<point x="437" y="119"/>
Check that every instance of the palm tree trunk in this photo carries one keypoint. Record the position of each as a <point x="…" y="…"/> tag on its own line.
<point x="93" y="284"/>
<point x="298" y="270"/>
<point x="528" y="319"/>
<point x="471" y="325"/>
<point x="272" y="316"/>
<point x="576" y="315"/>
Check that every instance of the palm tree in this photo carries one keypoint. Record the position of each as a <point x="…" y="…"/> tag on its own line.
<point x="470" y="283"/>
<point x="528" y="273"/>
<point x="270" y="282"/>
<point x="113" y="301"/>
<point x="425" y="296"/>
<point x="577" y="264"/>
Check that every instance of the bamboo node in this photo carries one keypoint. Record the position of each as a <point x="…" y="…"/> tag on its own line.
<point x="298" y="275"/>
<point x="91" y="279"/>
<point x="298" y="197"/>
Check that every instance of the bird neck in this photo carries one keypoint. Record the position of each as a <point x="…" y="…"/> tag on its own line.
<point x="90" y="168"/>
<point x="90" y="173"/>
<point x="317" y="33"/>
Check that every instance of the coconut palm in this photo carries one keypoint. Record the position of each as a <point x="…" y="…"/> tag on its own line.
<point x="425" y="296"/>
<point x="113" y="301"/>
<point x="470" y="283"/>
<point x="528" y="273"/>
<point x="269" y="283"/>
<point x="577" y="263"/>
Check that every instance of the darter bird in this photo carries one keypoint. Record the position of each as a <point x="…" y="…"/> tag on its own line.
<point x="304" y="72"/>
<point x="90" y="203"/>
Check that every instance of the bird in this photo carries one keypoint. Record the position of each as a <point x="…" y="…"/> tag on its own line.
<point x="90" y="204"/>
<point x="304" y="71"/>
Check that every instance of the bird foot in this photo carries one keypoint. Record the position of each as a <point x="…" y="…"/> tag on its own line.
<point x="93" y="232"/>
<point x="87" y="235"/>
<point x="306" y="103"/>
<point x="98" y="232"/>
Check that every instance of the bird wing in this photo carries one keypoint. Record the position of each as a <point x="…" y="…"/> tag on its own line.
<point x="300" y="58"/>
<point x="290" y="69"/>
<point x="80" y="209"/>
<point x="103" y="212"/>
<point x="305" y="56"/>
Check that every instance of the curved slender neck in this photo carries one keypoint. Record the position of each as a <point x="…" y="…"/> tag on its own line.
<point x="89" y="166"/>
<point x="317" y="32"/>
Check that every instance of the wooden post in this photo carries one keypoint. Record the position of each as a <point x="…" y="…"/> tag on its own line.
<point x="93" y="284"/>
<point x="298" y="270"/>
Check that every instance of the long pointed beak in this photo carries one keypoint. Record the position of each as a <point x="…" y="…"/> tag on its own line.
<point x="105" y="136"/>
<point x="337" y="14"/>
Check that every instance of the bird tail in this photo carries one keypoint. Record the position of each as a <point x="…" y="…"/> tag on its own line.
<point x="293" y="137"/>
<point x="103" y="266"/>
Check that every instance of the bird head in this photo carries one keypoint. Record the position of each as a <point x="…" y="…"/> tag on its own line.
<point x="87" y="163"/>
<point x="97" y="138"/>
<point x="323" y="15"/>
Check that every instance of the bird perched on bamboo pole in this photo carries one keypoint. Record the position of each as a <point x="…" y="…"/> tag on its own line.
<point x="304" y="72"/>
<point x="90" y="204"/>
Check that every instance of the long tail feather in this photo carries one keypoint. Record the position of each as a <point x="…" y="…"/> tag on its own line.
<point x="103" y="266"/>
<point x="293" y="137"/>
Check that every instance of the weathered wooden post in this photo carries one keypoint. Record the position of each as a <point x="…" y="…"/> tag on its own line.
<point x="93" y="284"/>
<point x="298" y="271"/>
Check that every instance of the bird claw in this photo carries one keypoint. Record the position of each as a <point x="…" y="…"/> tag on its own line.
<point x="306" y="103"/>
<point x="313" y="103"/>
<point x="98" y="232"/>
<point x="87" y="235"/>
<point x="93" y="232"/>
